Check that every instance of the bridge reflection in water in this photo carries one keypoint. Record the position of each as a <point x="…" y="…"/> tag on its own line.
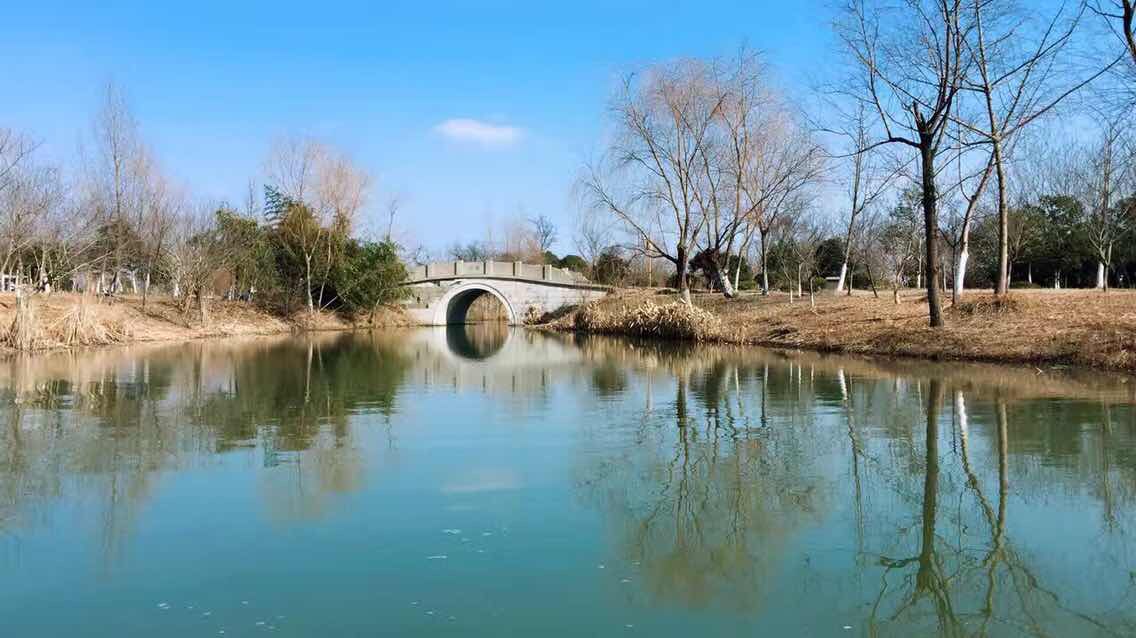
<point x="477" y="341"/>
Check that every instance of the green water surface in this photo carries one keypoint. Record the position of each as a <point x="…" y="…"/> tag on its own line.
<point x="486" y="482"/>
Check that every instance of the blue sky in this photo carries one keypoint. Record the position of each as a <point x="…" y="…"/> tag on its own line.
<point x="212" y="84"/>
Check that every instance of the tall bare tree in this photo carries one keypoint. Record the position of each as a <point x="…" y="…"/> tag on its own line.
<point x="341" y="192"/>
<point x="319" y="191"/>
<point x="909" y="62"/>
<point x="1102" y="174"/>
<point x="650" y="177"/>
<point x="1019" y="78"/>
<point x="115" y="181"/>
<point x="871" y="175"/>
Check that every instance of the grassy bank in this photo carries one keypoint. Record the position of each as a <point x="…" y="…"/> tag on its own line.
<point x="63" y="320"/>
<point x="1038" y="327"/>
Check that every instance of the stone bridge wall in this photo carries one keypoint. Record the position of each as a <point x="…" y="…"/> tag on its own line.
<point x="515" y="269"/>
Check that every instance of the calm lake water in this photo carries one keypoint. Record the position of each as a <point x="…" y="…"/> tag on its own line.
<point x="482" y="482"/>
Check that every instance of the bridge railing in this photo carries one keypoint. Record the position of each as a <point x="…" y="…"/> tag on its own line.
<point x="512" y="269"/>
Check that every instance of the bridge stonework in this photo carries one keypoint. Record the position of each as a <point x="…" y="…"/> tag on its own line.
<point x="441" y="293"/>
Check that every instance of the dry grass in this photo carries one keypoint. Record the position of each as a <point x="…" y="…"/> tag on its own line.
<point x="63" y="320"/>
<point x="24" y="331"/>
<point x="84" y="325"/>
<point x="1066" y="327"/>
<point x="648" y="319"/>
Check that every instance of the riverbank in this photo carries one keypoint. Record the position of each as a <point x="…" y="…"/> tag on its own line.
<point x="1035" y="327"/>
<point x="65" y="320"/>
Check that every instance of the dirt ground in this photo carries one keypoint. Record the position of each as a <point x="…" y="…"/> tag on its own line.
<point x="1040" y="327"/>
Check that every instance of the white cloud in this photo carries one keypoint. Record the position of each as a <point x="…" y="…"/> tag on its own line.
<point x="484" y="133"/>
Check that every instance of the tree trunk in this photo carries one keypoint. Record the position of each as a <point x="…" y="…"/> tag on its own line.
<point x="1003" y="222"/>
<point x="764" y="261"/>
<point x="931" y="229"/>
<point x="308" y="283"/>
<point x="722" y="279"/>
<point x="146" y="287"/>
<point x="960" y="273"/>
<point x="840" y="280"/>
<point x="1102" y="280"/>
<point x="741" y="256"/>
<point x="871" y="279"/>
<point x="682" y="267"/>
<point x="202" y="308"/>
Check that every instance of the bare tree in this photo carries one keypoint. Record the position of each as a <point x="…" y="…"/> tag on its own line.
<point x="969" y="188"/>
<point x="592" y="235"/>
<point x="195" y="253"/>
<point x="785" y="166"/>
<point x="909" y="63"/>
<point x="291" y="165"/>
<point x="806" y="235"/>
<point x="159" y="214"/>
<point x="896" y="244"/>
<point x="1102" y="174"/>
<point x="1122" y="20"/>
<point x="544" y="230"/>
<point x="1019" y="79"/>
<point x="341" y="191"/>
<point x="871" y="176"/>
<point x="650" y="179"/>
<point x="115" y="180"/>
<point x="28" y="195"/>
<point x="318" y="193"/>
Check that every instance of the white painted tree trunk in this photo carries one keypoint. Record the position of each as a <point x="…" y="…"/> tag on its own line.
<point x="840" y="280"/>
<point x="960" y="272"/>
<point x="722" y="278"/>
<point x="1100" y="276"/>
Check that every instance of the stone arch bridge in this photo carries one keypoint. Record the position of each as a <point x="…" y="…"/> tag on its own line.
<point x="441" y="293"/>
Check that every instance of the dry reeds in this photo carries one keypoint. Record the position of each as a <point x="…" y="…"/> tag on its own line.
<point x="81" y="325"/>
<point x="648" y="319"/>
<point x="988" y="305"/>
<point x="24" y="333"/>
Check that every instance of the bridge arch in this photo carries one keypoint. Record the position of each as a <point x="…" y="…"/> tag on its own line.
<point x="453" y="306"/>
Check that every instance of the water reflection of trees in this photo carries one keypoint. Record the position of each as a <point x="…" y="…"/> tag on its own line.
<point x="944" y="480"/>
<point x="708" y="496"/>
<point x="103" y="426"/>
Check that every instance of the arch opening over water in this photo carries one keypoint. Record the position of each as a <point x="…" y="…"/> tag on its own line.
<point x="458" y="303"/>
